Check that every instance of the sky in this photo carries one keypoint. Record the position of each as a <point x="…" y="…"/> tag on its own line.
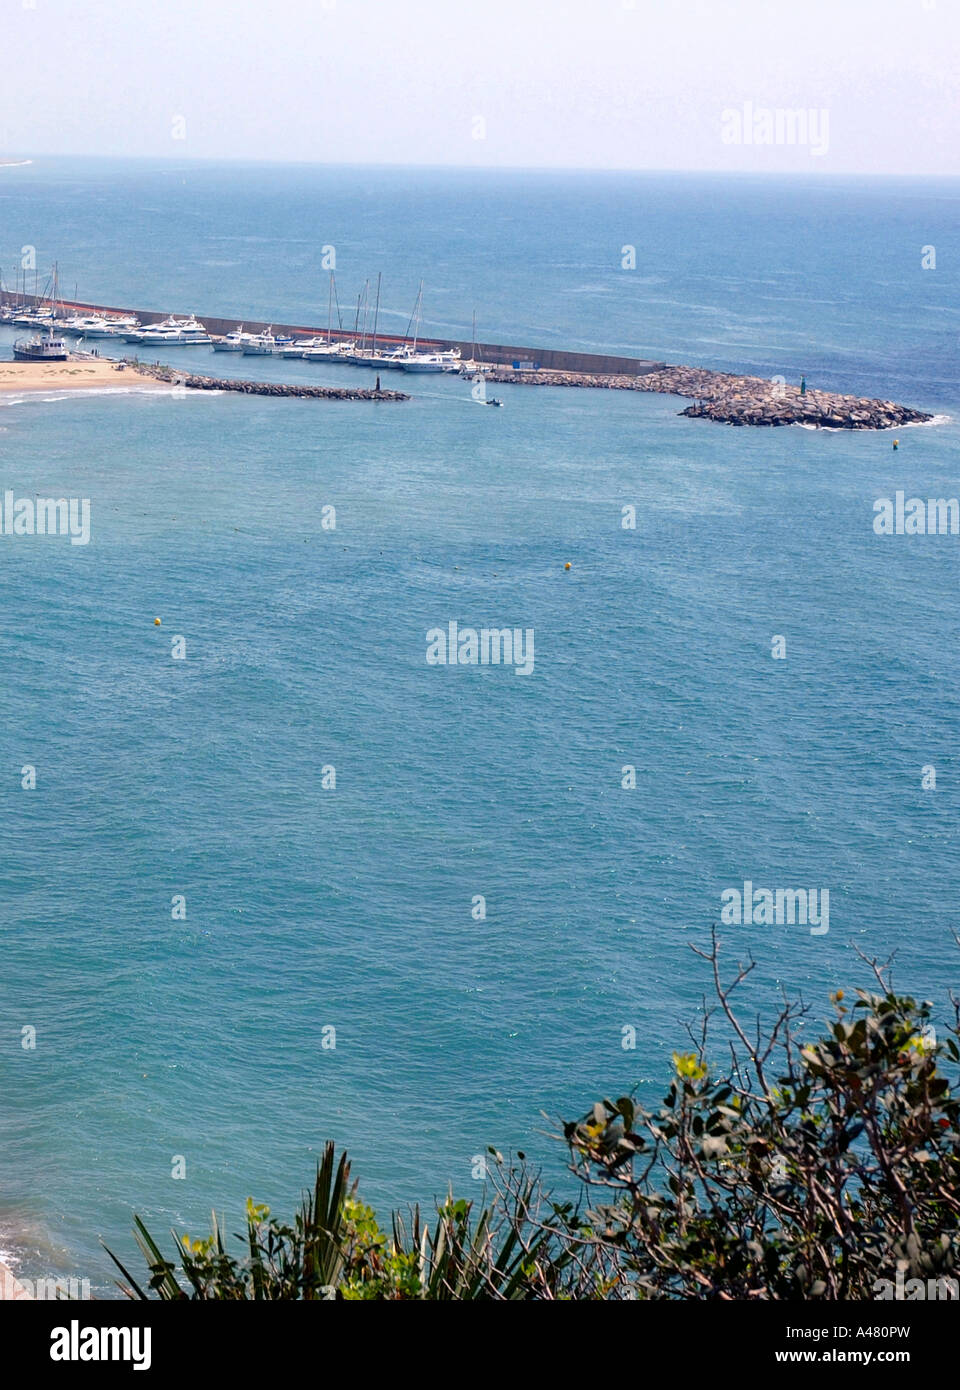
<point x="620" y="84"/>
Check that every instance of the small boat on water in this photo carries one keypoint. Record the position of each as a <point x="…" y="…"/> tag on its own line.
<point x="45" y="347"/>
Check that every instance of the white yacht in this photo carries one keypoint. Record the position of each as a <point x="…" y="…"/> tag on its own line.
<point x="135" y="335"/>
<point x="297" y="347"/>
<point x="109" y="326"/>
<point x="178" y="333"/>
<point x="448" y="361"/>
<point x="77" y="323"/>
<point x="232" y="342"/>
<point x="364" y="357"/>
<point x="398" y="357"/>
<point x="260" y="344"/>
<point x="329" y="352"/>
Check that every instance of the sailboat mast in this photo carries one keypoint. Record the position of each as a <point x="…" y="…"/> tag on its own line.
<point x="376" y="314"/>
<point x="417" y="316"/>
<point x="366" y="300"/>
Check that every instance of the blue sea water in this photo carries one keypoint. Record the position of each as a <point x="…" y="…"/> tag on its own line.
<point x="352" y="907"/>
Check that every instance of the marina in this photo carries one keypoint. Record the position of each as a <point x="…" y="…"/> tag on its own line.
<point x="719" y="397"/>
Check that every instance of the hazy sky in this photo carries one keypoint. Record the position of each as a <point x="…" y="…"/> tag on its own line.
<point x="640" y="84"/>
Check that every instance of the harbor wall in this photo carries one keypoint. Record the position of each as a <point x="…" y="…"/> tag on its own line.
<point x="500" y="354"/>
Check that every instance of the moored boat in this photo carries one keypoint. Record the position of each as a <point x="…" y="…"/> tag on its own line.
<point x="329" y="352"/>
<point x="260" y="344"/>
<point x="448" y="361"/>
<point x="231" y="342"/>
<point x="172" y="332"/>
<point x="45" y="347"/>
<point x="110" y="326"/>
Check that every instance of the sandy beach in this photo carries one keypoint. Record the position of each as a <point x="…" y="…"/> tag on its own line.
<point x="72" y="375"/>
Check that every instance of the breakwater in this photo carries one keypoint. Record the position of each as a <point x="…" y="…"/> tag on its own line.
<point x="724" y="397"/>
<point x="194" y="382"/>
<point x="739" y="400"/>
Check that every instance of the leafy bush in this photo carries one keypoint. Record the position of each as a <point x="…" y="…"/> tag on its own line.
<point x="797" y="1171"/>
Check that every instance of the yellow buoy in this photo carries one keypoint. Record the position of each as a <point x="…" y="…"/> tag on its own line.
<point x="156" y="622"/>
<point x="567" y="565"/>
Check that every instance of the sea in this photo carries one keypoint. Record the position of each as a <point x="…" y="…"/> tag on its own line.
<point x="275" y="878"/>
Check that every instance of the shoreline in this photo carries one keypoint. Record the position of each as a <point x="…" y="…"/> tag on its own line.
<point x="76" y="374"/>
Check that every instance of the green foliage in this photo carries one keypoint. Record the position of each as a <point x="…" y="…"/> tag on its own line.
<point x="802" y="1171"/>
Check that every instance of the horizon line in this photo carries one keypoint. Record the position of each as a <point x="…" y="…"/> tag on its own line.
<point x="818" y="172"/>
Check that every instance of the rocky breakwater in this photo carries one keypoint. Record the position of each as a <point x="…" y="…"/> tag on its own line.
<point x="739" y="400"/>
<point x="752" y="400"/>
<point x="192" y="382"/>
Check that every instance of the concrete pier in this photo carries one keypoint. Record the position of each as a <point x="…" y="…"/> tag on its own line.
<point x="491" y="353"/>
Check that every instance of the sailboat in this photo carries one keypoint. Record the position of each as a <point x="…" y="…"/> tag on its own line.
<point x="406" y="351"/>
<point x="441" y="361"/>
<point x="329" y="349"/>
<point x="370" y="357"/>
